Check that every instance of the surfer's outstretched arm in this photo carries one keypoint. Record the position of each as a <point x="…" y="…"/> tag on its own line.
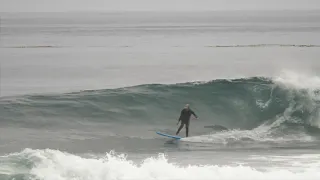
<point x="194" y="114"/>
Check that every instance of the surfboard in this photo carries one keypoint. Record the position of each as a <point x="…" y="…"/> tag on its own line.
<point x="168" y="135"/>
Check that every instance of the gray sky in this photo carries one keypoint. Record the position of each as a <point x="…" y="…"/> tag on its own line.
<point x="153" y="5"/>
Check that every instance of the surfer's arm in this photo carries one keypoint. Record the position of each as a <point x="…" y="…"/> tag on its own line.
<point x="194" y="114"/>
<point x="179" y="117"/>
<point x="178" y="121"/>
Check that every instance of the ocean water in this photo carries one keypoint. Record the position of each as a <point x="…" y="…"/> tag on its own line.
<point x="82" y="95"/>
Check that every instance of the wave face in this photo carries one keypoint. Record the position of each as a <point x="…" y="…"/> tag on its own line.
<point x="257" y="108"/>
<point x="52" y="164"/>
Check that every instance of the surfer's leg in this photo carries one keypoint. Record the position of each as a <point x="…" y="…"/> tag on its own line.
<point x="181" y="126"/>
<point x="187" y="129"/>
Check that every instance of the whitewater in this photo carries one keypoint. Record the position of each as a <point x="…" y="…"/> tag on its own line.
<point x="82" y="95"/>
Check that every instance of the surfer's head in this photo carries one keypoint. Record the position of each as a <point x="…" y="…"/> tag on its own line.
<point x="186" y="106"/>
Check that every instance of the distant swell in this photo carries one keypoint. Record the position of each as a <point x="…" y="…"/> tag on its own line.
<point x="209" y="46"/>
<point x="267" y="45"/>
<point x="36" y="46"/>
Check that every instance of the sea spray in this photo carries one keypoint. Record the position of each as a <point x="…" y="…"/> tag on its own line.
<point x="53" y="164"/>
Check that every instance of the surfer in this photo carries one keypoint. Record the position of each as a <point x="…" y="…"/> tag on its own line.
<point x="185" y="115"/>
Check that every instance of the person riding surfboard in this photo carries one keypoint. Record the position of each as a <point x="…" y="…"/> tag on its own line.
<point x="185" y="115"/>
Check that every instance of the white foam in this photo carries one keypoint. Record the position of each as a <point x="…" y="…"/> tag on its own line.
<point x="310" y="84"/>
<point x="296" y="162"/>
<point x="291" y="79"/>
<point x="262" y="133"/>
<point x="56" y="165"/>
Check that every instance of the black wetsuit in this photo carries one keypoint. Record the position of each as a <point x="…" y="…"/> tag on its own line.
<point x="185" y="119"/>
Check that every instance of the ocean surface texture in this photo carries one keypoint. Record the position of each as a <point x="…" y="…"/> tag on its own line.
<point x="83" y="94"/>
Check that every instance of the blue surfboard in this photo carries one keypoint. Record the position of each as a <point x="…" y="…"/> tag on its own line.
<point x="168" y="135"/>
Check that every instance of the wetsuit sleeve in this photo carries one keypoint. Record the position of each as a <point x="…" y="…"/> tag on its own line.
<point x="194" y="114"/>
<point x="180" y="116"/>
